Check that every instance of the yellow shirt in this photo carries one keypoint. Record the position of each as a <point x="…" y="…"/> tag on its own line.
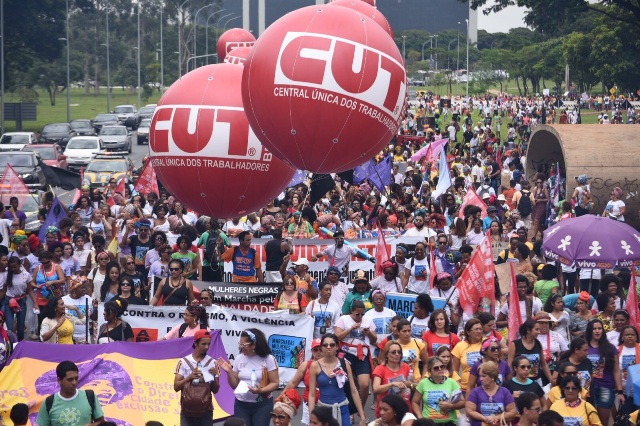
<point x="577" y="416"/>
<point x="65" y="333"/>
<point x="468" y="355"/>
<point x="555" y="394"/>
<point x="411" y="355"/>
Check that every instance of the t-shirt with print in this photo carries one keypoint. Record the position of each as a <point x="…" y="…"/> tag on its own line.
<point x="387" y="376"/>
<point x="503" y="370"/>
<point x="468" y="355"/>
<point x="557" y="345"/>
<point x="432" y="395"/>
<point x="418" y="326"/>
<point x="433" y="341"/>
<point x="382" y="321"/>
<point x="529" y="386"/>
<point x="183" y="369"/>
<point x="79" y="330"/>
<point x="74" y="411"/>
<point x="352" y="342"/>
<point x="411" y="355"/>
<point x="139" y="250"/>
<point x="627" y="359"/>
<point x="484" y="405"/>
<point x="576" y="416"/>
<point x="325" y="315"/>
<point x="419" y="283"/>
<point x="584" y="372"/>
<point x="245" y="365"/>
<point x="599" y="375"/>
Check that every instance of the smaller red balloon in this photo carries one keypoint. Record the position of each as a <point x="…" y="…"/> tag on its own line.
<point x="367" y="9"/>
<point x="232" y="39"/>
<point x="238" y="56"/>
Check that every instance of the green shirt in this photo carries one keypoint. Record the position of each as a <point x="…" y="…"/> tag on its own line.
<point x="351" y="296"/>
<point x="432" y="395"/>
<point x="204" y="239"/>
<point x="75" y="411"/>
<point x="543" y="289"/>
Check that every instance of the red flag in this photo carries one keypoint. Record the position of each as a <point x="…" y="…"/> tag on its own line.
<point x="476" y="284"/>
<point x="382" y="251"/>
<point x="432" y="269"/>
<point x="632" y="302"/>
<point x="11" y="185"/>
<point x="147" y="182"/>
<point x="515" y="317"/>
<point x="78" y="193"/>
<point x="119" y="189"/>
<point x="474" y="199"/>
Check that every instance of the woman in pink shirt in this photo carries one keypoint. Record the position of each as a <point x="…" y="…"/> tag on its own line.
<point x="195" y="318"/>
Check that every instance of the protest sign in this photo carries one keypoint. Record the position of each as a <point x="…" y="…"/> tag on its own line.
<point x="403" y="303"/>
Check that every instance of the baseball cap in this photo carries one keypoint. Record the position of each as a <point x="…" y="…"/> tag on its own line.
<point x="301" y="261"/>
<point x="201" y="334"/>
<point x="360" y="276"/>
<point x="491" y="209"/>
<point x="315" y="343"/>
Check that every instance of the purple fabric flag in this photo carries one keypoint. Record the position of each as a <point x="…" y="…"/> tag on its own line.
<point x="378" y="174"/>
<point x="53" y="218"/>
<point x="297" y="178"/>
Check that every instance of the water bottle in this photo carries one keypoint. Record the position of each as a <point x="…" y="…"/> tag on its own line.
<point x="254" y="378"/>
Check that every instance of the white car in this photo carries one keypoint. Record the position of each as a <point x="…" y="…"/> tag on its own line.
<point x="15" y="141"/>
<point x="81" y="149"/>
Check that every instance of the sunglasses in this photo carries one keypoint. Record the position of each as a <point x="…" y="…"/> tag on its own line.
<point x="524" y="367"/>
<point x="130" y="263"/>
<point x="275" y="416"/>
<point x="333" y="273"/>
<point x="396" y="352"/>
<point x="437" y="367"/>
<point x="494" y="348"/>
<point x="174" y="269"/>
<point x="570" y="388"/>
<point x="357" y="315"/>
<point x="329" y="345"/>
<point x="125" y="283"/>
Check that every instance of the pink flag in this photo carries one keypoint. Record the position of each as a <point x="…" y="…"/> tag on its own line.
<point x="632" y="302"/>
<point x="147" y="182"/>
<point x="382" y="252"/>
<point x="433" y="271"/>
<point x="476" y="284"/>
<point x="474" y="199"/>
<point x="119" y="189"/>
<point x="431" y="152"/>
<point x="11" y="185"/>
<point x="515" y="317"/>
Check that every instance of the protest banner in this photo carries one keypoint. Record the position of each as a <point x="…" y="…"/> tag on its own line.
<point x="289" y="336"/>
<point x="476" y="283"/>
<point x="403" y="303"/>
<point x="133" y="382"/>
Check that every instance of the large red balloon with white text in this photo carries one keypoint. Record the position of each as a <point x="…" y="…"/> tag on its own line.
<point x="324" y="88"/>
<point x="238" y="55"/>
<point x="368" y="10"/>
<point x="231" y="39"/>
<point x="203" y="150"/>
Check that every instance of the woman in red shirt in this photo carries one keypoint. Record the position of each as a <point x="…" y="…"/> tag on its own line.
<point x="438" y="333"/>
<point x="392" y="376"/>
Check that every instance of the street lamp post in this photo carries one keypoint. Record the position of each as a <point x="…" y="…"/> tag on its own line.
<point x="68" y="79"/>
<point x="436" y="37"/>
<point x="216" y="29"/>
<point x="458" y="60"/>
<point x="206" y="36"/>
<point x="108" y="65"/>
<point x="404" y="57"/>
<point x="224" y="27"/>
<point x="195" y="31"/>
<point x="139" y="54"/>
<point x="468" y="73"/>
<point x="161" y="50"/>
<point x="423" y="49"/>
<point x="180" y="41"/>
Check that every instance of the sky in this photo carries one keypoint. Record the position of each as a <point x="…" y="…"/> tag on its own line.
<point x="503" y="21"/>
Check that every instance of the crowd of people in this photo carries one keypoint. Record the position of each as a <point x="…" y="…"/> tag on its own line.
<point x="439" y="365"/>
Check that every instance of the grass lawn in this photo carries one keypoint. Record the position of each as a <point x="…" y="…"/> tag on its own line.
<point x="82" y="106"/>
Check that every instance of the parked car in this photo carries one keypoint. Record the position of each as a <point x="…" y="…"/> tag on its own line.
<point x="104" y="120"/>
<point x="59" y="133"/>
<point x="51" y="155"/>
<point x="81" y="149"/>
<point x="143" y="131"/>
<point x="15" y="141"/>
<point x="103" y="167"/>
<point x="127" y="115"/>
<point x="83" y="127"/>
<point x="116" y="138"/>
<point x="26" y="165"/>
<point x="146" y="112"/>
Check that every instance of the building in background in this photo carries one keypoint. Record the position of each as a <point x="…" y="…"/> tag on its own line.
<point x="433" y="16"/>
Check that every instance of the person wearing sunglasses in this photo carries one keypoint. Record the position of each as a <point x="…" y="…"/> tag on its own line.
<point x="175" y="290"/>
<point x="530" y="346"/>
<point x="490" y="351"/>
<point x="553" y="344"/>
<point x="521" y="382"/>
<point x="339" y="289"/>
<point x="331" y="375"/>
<point x="490" y="403"/>
<point x="565" y="369"/>
<point x="575" y="410"/>
<point x="302" y="375"/>
<point x="529" y="407"/>
<point x="125" y="292"/>
<point x="138" y="280"/>
<point x="392" y="375"/>
<point x="450" y="397"/>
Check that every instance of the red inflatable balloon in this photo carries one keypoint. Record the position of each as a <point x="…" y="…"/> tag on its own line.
<point x="367" y="10"/>
<point x="324" y="88"/>
<point x="203" y="150"/>
<point x="235" y="37"/>
<point x="238" y="55"/>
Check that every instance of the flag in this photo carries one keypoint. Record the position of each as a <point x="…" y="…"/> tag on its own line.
<point x="298" y="178"/>
<point x="119" y="189"/>
<point x="632" y="302"/>
<point x="11" y="185"/>
<point x="554" y="198"/>
<point x="444" y="177"/>
<point x="320" y="185"/>
<point x="515" y="316"/>
<point x="382" y="251"/>
<point x="430" y="152"/>
<point x="53" y="218"/>
<point x="381" y="174"/>
<point x="476" y="284"/>
<point x="58" y="177"/>
<point x="347" y="176"/>
<point x="472" y="198"/>
<point x="147" y="181"/>
<point x="432" y="269"/>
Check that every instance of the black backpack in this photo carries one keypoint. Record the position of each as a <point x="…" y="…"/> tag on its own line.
<point x="210" y="250"/>
<point x="524" y="205"/>
<point x="183" y="328"/>
<point x="91" y="397"/>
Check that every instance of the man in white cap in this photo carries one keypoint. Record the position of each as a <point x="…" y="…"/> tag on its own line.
<point x="306" y="285"/>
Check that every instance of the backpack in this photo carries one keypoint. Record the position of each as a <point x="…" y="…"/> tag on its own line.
<point x="183" y="328"/>
<point x="484" y="189"/>
<point x="524" y="205"/>
<point x="585" y="201"/>
<point x="196" y="400"/>
<point x="91" y="398"/>
<point x="210" y="249"/>
<point x="103" y="328"/>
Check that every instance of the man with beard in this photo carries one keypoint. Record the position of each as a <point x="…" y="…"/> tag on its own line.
<point x="338" y="254"/>
<point x="419" y="230"/>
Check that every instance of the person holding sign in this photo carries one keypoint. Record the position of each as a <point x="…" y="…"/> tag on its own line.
<point x="416" y="277"/>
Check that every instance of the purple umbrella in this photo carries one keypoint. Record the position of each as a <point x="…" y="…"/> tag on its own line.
<point x="593" y="242"/>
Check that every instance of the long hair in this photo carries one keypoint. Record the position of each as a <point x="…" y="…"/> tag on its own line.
<point x="605" y="348"/>
<point x="12" y="260"/>
<point x="104" y="288"/>
<point x="262" y="346"/>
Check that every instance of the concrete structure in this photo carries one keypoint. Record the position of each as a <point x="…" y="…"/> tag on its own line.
<point x="607" y="153"/>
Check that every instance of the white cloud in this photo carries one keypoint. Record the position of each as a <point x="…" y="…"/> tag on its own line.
<point x="503" y="21"/>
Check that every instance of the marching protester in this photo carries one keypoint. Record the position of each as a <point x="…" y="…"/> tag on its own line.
<point x="195" y="319"/>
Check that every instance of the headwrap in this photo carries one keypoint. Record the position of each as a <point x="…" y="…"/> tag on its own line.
<point x="404" y="249"/>
<point x="76" y="281"/>
<point x="487" y="343"/>
<point x="52" y="230"/>
<point x="334" y="269"/>
<point x="585" y="297"/>
<point x="375" y="292"/>
<point x="443" y="276"/>
<point x="583" y="179"/>
<point x="129" y="208"/>
<point x="289" y="402"/>
<point x="142" y="222"/>
<point x="19" y="237"/>
<point x="34" y="242"/>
